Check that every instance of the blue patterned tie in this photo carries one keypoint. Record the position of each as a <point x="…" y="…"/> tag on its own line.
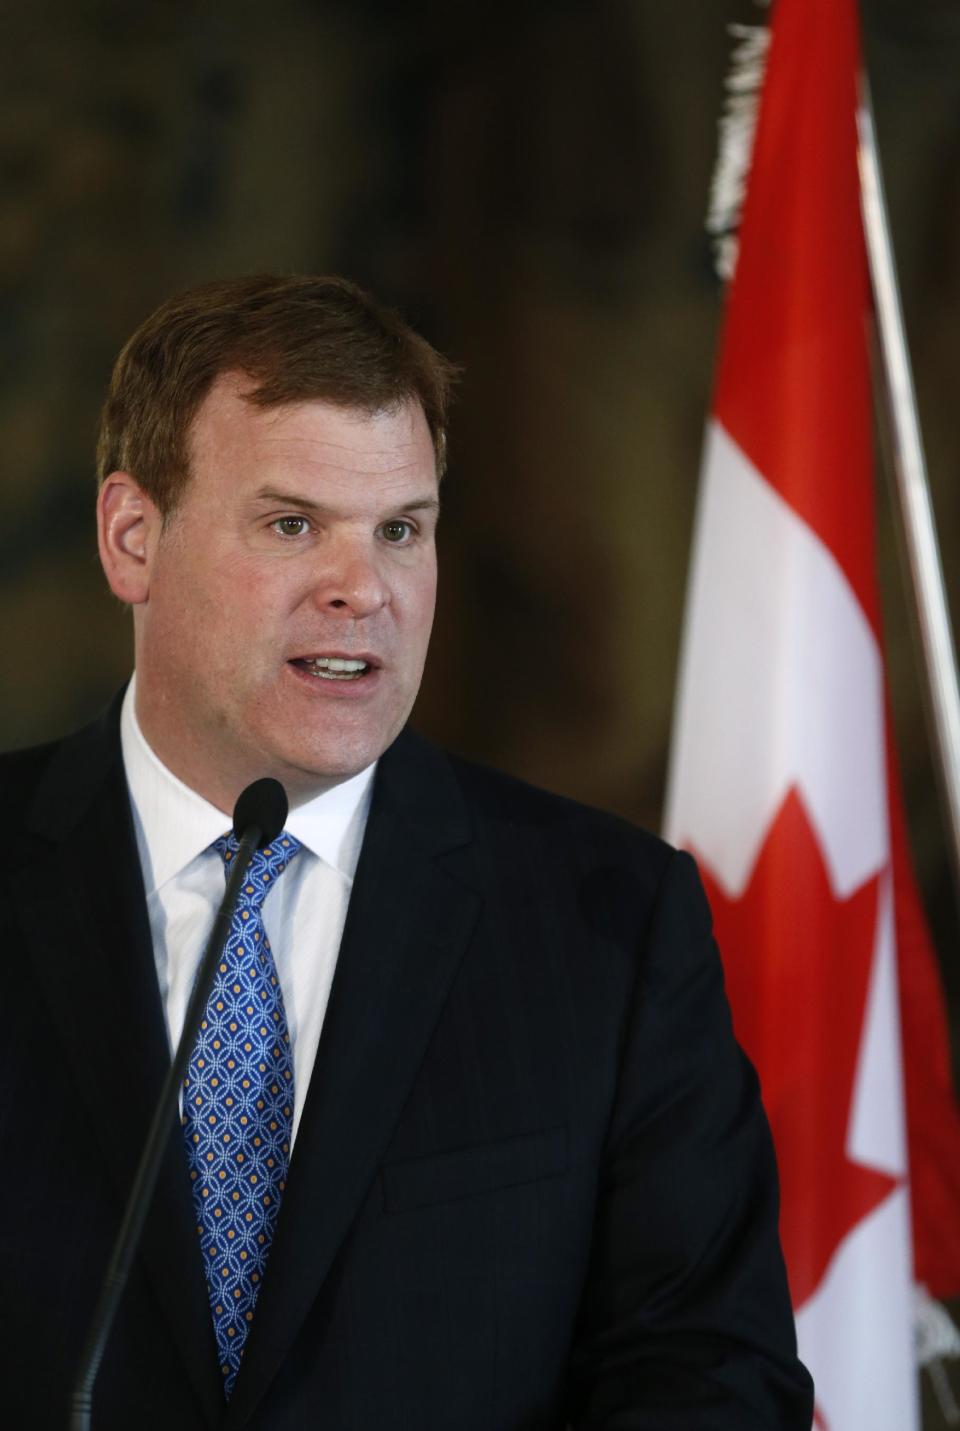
<point x="238" y="1109"/>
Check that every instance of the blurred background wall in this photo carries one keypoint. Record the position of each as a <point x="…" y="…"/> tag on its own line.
<point x="528" y="183"/>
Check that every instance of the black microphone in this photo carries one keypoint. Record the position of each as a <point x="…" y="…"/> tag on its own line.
<point x="258" y="817"/>
<point x="263" y="805"/>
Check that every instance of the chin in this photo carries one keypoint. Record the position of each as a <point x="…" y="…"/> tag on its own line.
<point x="303" y="759"/>
<point x="305" y="769"/>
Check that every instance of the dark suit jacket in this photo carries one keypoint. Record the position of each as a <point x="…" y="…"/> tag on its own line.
<point x="532" y="1184"/>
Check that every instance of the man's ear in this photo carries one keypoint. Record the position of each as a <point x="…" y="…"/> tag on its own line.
<point x="128" y="525"/>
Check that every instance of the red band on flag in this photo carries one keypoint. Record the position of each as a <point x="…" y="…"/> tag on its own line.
<point x="793" y="387"/>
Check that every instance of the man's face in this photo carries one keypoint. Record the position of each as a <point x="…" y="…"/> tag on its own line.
<point x="290" y="595"/>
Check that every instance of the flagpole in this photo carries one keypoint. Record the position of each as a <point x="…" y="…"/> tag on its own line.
<point x="916" y="509"/>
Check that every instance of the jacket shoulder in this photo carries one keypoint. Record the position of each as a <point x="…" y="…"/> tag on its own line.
<point x="21" y="771"/>
<point x="586" y="871"/>
<point x="512" y="804"/>
<point x="46" y="788"/>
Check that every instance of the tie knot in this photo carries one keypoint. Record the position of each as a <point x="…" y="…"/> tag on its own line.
<point x="266" y="867"/>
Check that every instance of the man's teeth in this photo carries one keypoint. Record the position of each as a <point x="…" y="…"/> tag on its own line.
<point x="334" y="668"/>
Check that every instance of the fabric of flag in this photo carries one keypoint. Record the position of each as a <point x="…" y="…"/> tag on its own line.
<point x="782" y="778"/>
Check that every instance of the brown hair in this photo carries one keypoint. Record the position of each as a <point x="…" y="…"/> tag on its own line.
<point x="299" y="338"/>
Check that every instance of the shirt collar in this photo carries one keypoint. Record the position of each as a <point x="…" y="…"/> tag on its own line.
<point x="174" y="824"/>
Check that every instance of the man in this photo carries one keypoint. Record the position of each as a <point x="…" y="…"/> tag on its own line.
<point x="485" y="1154"/>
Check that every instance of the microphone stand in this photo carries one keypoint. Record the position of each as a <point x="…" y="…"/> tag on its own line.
<point x="135" y="1214"/>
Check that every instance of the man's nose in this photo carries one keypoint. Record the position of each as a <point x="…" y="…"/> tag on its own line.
<point x="350" y="581"/>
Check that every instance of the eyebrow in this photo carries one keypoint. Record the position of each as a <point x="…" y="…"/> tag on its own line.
<point x="295" y="499"/>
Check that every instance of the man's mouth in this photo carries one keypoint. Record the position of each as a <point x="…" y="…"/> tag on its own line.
<point x="333" y="668"/>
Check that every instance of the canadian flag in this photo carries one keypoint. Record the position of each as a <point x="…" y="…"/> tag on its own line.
<point x="782" y="780"/>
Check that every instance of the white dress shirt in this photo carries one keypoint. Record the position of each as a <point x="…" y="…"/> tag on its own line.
<point x="184" y="879"/>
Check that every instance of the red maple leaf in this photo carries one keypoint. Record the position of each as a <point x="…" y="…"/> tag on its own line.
<point x="797" y="964"/>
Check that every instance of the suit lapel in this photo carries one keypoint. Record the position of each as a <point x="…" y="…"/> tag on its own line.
<point x="411" y="916"/>
<point x="82" y="915"/>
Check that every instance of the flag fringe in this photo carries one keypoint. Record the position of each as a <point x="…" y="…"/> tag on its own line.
<point x="936" y="1337"/>
<point x="736" y="126"/>
<point x="934" y="1332"/>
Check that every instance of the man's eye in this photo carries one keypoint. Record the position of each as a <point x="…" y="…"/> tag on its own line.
<point x="397" y="531"/>
<point x="290" y="526"/>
